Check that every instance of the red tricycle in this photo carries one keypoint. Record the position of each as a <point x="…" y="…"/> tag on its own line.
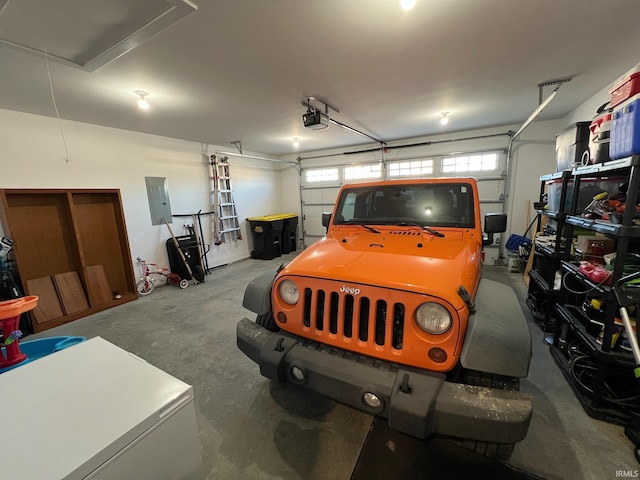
<point x="146" y="284"/>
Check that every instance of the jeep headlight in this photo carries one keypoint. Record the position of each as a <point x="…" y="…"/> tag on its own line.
<point x="289" y="292"/>
<point x="433" y="318"/>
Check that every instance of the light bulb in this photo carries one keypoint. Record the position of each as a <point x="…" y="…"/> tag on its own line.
<point x="407" y="4"/>
<point x="142" y="102"/>
<point x="296" y="143"/>
<point x="445" y="118"/>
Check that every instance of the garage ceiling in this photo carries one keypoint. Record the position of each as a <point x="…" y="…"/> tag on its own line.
<point x="239" y="69"/>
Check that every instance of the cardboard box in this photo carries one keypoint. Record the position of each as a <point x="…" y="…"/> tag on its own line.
<point x="583" y="243"/>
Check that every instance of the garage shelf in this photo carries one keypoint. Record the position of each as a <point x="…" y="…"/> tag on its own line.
<point x="595" y="370"/>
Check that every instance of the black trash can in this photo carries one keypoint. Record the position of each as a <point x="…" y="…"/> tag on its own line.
<point x="266" y="232"/>
<point x="288" y="240"/>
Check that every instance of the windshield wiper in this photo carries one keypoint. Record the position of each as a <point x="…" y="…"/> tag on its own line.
<point x="371" y="229"/>
<point x="435" y="233"/>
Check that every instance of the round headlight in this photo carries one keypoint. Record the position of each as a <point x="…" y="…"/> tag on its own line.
<point x="433" y="318"/>
<point x="289" y="292"/>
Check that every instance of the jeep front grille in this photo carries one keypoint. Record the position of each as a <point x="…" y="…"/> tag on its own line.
<point x="345" y="315"/>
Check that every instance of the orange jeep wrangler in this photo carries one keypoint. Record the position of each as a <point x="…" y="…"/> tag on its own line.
<point x="388" y="313"/>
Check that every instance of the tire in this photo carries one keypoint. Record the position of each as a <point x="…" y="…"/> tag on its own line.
<point x="184" y="283"/>
<point x="499" y="451"/>
<point x="145" y="287"/>
<point x="198" y="273"/>
<point x="267" y="321"/>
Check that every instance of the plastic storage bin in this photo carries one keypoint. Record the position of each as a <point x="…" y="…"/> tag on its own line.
<point x="571" y="144"/>
<point x="589" y="187"/>
<point x="625" y="88"/>
<point x="625" y="129"/>
<point x="599" y="140"/>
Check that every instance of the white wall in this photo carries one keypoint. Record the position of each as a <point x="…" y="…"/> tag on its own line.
<point x="533" y="155"/>
<point x="32" y="156"/>
<point x="588" y="109"/>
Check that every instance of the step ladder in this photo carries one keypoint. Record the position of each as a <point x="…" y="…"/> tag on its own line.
<point x="225" y="215"/>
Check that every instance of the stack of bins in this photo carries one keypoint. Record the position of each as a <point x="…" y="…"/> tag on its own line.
<point x="273" y="235"/>
<point x="571" y="144"/>
<point x="625" y="124"/>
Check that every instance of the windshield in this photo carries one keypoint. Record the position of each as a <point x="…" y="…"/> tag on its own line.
<point x="431" y="204"/>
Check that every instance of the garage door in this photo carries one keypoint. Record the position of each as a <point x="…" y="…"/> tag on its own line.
<point x="320" y="185"/>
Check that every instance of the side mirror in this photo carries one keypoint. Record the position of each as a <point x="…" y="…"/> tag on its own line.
<point x="493" y="223"/>
<point x="326" y="219"/>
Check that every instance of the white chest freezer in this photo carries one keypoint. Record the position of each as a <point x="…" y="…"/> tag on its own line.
<point x="94" y="411"/>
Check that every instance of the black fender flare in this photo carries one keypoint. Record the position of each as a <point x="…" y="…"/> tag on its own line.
<point x="498" y="339"/>
<point x="257" y="295"/>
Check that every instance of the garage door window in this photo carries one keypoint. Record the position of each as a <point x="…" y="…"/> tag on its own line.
<point x="363" y="172"/>
<point x="410" y="168"/>
<point x="322" y="175"/>
<point x="483" y="162"/>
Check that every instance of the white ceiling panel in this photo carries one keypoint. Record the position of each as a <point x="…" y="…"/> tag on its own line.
<point x="86" y="33"/>
<point x="239" y="69"/>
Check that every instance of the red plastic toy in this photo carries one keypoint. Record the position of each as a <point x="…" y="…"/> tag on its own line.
<point x="10" y="312"/>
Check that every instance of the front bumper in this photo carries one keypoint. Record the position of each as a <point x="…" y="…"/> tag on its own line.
<point x="429" y="406"/>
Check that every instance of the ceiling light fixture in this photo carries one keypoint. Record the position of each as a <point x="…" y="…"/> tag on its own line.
<point x="296" y="143"/>
<point x="407" y="4"/>
<point x="142" y="102"/>
<point x="445" y="118"/>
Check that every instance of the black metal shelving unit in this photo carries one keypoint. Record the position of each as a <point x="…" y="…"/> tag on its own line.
<point x="542" y="296"/>
<point x="575" y="335"/>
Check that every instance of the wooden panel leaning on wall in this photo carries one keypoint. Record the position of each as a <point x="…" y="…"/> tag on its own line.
<point x="77" y="236"/>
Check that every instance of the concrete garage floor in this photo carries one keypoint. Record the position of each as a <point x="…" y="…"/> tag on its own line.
<point x="252" y="429"/>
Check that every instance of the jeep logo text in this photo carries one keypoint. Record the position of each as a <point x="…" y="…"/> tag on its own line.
<point x="352" y="291"/>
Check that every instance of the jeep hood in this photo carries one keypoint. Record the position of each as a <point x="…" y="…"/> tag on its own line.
<point x="394" y="261"/>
